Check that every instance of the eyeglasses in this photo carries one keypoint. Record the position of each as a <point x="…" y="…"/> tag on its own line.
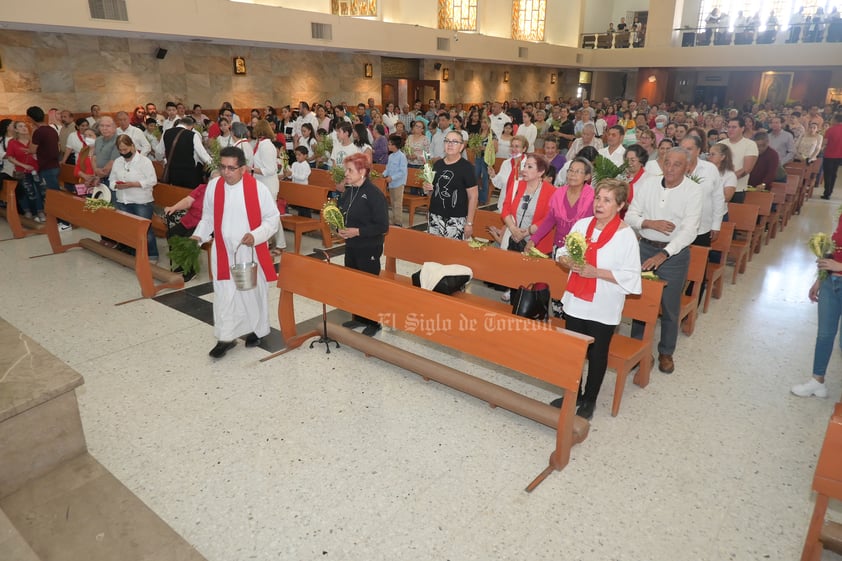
<point x="229" y="168"/>
<point x="453" y="142"/>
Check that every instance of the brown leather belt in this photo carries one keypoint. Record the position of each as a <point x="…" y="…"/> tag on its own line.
<point x="653" y="243"/>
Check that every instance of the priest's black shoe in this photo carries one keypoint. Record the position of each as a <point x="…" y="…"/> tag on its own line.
<point x="585" y="409"/>
<point x="352" y="324"/>
<point x="221" y="348"/>
<point x="252" y="340"/>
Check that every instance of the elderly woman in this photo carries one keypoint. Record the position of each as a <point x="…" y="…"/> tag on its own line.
<point x="418" y="143"/>
<point x="635" y="158"/>
<point x="366" y="223"/>
<point x="646" y="138"/>
<point x="133" y="178"/>
<point x="826" y="292"/>
<point x="26" y="172"/>
<point x="453" y="193"/>
<point x="596" y="290"/>
<point x="239" y="138"/>
<point x="588" y="138"/>
<point x="569" y="203"/>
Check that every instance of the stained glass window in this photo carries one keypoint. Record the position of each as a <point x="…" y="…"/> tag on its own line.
<point x="458" y="15"/>
<point x="528" y="17"/>
<point x="354" y="8"/>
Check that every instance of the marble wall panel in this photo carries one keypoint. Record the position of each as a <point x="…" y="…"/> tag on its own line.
<point x="21" y="82"/>
<point x="113" y="44"/>
<point x="81" y="44"/>
<point x="90" y="82"/>
<point x="57" y="81"/>
<point x="21" y="59"/>
<point x="46" y="60"/>
<point x="57" y="42"/>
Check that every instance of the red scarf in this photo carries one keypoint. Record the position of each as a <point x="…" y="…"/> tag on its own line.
<point x="514" y="174"/>
<point x="837" y="239"/>
<point x="223" y="269"/>
<point x="585" y="288"/>
<point x="632" y="181"/>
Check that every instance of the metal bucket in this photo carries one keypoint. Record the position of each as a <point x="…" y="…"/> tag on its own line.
<point x="244" y="274"/>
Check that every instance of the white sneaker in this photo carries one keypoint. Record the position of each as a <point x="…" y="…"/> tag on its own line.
<point x="811" y="388"/>
<point x="506" y="296"/>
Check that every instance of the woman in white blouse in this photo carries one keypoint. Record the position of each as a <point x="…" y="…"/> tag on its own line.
<point x="133" y="179"/>
<point x="528" y="131"/>
<point x="809" y="144"/>
<point x="224" y="139"/>
<point x="265" y="164"/>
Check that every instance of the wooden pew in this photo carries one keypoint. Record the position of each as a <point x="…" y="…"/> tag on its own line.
<point x="763" y="200"/>
<point x="485" y="219"/>
<point x="128" y="229"/>
<point x="413" y="203"/>
<point x="508" y="268"/>
<point x="321" y="178"/>
<point x="509" y="341"/>
<point x="828" y="485"/>
<point x="778" y="191"/>
<point x="715" y="272"/>
<point x="696" y="274"/>
<point x="20" y="226"/>
<point x="744" y="218"/>
<point x="305" y="196"/>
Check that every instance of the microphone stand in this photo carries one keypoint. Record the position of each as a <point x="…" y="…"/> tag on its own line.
<point x="323" y="338"/>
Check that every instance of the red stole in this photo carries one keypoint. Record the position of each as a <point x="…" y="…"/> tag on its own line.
<point x="514" y="174"/>
<point x="223" y="269"/>
<point x="585" y="288"/>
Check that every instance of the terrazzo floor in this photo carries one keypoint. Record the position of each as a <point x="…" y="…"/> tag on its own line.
<point x="314" y="456"/>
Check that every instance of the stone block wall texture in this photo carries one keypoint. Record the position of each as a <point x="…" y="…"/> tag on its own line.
<point x="74" y="71"/>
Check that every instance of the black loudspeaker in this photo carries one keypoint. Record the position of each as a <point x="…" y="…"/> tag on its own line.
<point x="437" y="66"/>
<point x="160" y="53"/>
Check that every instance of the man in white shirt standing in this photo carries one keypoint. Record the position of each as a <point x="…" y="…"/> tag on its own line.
<point x="706" y="176"/>
<point x="437" y="142"/>
<point x="666" y="212"/>
<point x="124" y="126"/>
<point x="498" y="118"/>
<point x="172" y="116"/>
<point x="305" y="116"/>
<point x="744" y="154"/>
<point x="614" y="151"/>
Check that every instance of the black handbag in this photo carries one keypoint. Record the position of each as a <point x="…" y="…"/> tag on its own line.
<point x="520" y="246"/>
<point x="532" y="302"/>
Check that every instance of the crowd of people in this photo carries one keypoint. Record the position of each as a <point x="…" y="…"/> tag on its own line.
<point x="675" y="166"/>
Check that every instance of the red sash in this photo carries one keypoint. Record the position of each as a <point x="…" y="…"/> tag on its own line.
<point x="223" y="269"/>
<point x="585" y="288"/>
<point x="514" y="174"/>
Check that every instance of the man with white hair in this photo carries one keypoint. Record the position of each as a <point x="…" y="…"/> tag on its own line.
<point x="588" y="138"/>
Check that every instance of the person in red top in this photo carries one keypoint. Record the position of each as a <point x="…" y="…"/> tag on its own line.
<point x="45" y="147"/>
<point x="765" y="171"/>
<point x="832" y="154"/>
<point x="26" y="172"/>
<point x="827" y="292"/>
<point x="529" y="206"/>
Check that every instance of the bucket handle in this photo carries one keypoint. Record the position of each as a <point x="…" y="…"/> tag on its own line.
<point x="238" y="249"/>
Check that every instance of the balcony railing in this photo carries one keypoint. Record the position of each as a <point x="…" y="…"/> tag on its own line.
<point x="794" y="34"/>
<point x="617" y="40"/>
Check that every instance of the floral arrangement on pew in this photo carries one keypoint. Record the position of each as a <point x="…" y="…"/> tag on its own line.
<point x="93" y="205"/>
<point x="822" y="246"/>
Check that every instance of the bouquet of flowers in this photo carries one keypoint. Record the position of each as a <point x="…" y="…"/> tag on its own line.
<point x="333" y="215"/>
<point x="821" y="245"/>
<point x="213" y="150"/>
<point x="337" y="173"/>
<point x="576" y="246"/>
<point x="407" y="149"/>
<point x="427" y="175"/>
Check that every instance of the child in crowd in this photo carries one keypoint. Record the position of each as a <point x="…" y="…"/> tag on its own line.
<point x="299" y="171"/>
<point x="396" y="172"/>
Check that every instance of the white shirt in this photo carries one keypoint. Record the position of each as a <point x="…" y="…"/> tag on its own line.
<point x="681" y="205"/>
<point x="139" y="168"/>
<point x="341" y="152"/>
<point x="498" y="122"/>
<point x="437" y="143"/>
<point x="138" y="138"/>
<point x="616" y="156"/>
<point x="75" y="143"/>
<point x="243" y="144"/>
<point x="310" y="118"/>
<point x="621" y="255"/>
<point x="530" y="133"/>
<point x="300" y="172"/>
<point x="713" y="198"/>
<point x="167" y="124"/>
<point x="739" y="151"/>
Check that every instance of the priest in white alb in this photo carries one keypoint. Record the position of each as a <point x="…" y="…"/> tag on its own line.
<point x="239" y="211"/>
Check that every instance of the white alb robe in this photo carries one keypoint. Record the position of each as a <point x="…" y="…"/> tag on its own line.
<point x="238" y="312"/>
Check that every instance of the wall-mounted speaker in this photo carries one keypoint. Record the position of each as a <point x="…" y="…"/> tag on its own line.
<point x="437" y="66"/>
<point x="160" y="53"/>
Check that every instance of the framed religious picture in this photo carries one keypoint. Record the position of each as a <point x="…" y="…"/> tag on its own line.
<point x="775" y="87"/>
<point x="239" y="65"/>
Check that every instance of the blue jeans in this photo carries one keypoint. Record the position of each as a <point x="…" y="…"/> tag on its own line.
<point x="50" y="178"/>
<point x="830" y="312"/>
<point x="144" y="210"/>
<point x="34" y="200"/>
<point x="674" y="272"/>
<point x="481" y="170"/>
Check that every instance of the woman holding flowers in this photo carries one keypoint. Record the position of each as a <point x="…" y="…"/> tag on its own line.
<point x="604" y="271"/>
<point x="453" y="192"/>
<point x="569" y="204"/>
<point x="366" y="215"/>
<point x="827" y="292"/>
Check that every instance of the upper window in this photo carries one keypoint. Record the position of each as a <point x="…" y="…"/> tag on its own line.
<point x="528" y="17"/>
<point x="458" y="15"/>
<point x="354" y="8"/>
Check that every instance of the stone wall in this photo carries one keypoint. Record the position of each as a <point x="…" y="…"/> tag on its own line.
<point x="74" y="71"/>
